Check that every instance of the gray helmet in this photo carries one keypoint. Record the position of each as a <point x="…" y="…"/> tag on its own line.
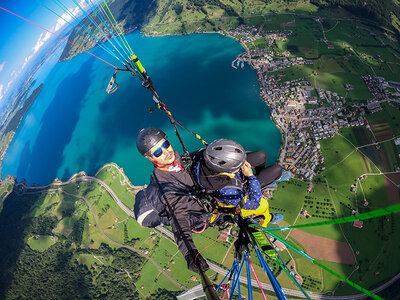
<point x="148" y="138"/>
<point x="224" y="156"/>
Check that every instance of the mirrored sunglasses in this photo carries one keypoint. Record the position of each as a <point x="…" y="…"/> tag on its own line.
<point x="158" y="151"/>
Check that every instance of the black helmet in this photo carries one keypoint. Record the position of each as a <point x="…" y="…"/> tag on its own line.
<point x="148" y="138"/>
<point x="224" y="156"/>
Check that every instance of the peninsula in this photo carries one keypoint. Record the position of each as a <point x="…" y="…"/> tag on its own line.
<point x="331" y="81"/>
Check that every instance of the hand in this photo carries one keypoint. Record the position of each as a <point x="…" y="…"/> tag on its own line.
<point x="247" y="170"/>
<point x="195" y="261"/>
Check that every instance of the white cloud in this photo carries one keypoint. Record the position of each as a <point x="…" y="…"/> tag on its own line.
<point x="1" y="91"/>
<point x="60" y="23"/>
<point x="2" y="66"/>
<point x="9" y="84"/>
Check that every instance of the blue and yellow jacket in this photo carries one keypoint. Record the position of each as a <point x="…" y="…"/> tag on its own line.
<point x="229" y="188"/>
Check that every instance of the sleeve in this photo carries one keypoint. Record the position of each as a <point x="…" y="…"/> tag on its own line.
<point x="228" y="195"/>
<point x="145" y="214"/>
<point x="178" y="207"/>
<point x="255" y="194"/>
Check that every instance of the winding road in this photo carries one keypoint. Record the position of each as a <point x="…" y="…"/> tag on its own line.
<point x="169" y="234"/>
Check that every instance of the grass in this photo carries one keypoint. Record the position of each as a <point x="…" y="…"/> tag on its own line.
<point x="90" y="259"/>
<point x="135" y="231"/>
<point x="42" y="243"/>
<point x="391" y="151"/>
<point x="288" y="199"/>
<point x="366" y="240"/>
<point x="377" y="247"/>
<point x="214" y="252"/>
<point x="148" y="279"/>
<point x="166" y="252"/>
<point x="294" y="72"/>
<point x="331" y="281"/>
<point x="309" y="272"/>
<point x="65" y="226"/>
<point x="320" y="194"/>
<point x="339" y="66"/>
<point x="5" y="141"/>
<point x="388" y="114"/>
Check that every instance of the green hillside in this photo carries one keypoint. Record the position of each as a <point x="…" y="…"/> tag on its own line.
<point x="187" y="16"/>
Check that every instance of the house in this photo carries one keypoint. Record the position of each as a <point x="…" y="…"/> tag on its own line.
<point x="358" y="224"/>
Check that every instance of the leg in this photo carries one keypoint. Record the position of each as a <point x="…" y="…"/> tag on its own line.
<point x="262" y="210"/>
<point x="269" y="175"/>
<point x="257" y="160"/>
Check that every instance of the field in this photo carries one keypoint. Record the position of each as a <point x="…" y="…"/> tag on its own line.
<point x="343" y="63"/>
<point x="330" y="198"/>
<point x="342" y="50"/>
<point x="331" y="193"/>
<point x="41" y="243"/>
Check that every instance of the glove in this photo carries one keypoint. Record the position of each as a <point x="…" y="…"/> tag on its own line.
<point x="195" y="261"/>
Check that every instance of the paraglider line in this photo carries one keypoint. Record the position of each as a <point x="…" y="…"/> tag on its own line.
<point x="195" y="260"/>
<point x="255" y="276"/>
<point x="57" y="36"/>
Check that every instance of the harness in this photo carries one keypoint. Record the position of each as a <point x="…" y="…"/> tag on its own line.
<point x="217" y="194"/>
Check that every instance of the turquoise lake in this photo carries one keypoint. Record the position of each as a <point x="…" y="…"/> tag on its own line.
<point x="73" y="125"/>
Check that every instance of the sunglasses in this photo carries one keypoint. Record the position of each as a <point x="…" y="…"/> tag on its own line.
<point x="158" y="152"/>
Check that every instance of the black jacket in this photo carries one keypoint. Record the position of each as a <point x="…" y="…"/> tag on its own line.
<point x="178" y="204"/>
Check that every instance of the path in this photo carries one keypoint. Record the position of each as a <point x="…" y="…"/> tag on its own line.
<point x="169" y="234"/>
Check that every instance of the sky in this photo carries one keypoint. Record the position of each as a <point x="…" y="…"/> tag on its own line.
<point x="20" y="40"/>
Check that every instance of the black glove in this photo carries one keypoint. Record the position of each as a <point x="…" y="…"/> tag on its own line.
<point x="195" y="261"/>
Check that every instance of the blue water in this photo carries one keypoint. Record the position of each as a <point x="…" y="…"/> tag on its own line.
<point x="73" y="125"/>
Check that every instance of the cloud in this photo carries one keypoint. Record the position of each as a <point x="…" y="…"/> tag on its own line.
<point x="60" y="23"/>
<point x="45" y="36"/>
<point x="2" y="66"/>
<point x="1" y="91"/>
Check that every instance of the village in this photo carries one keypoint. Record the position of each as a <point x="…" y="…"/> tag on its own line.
<point x="305" y="114"/>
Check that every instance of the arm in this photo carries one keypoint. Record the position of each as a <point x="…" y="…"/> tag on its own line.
<point x="177" y="208"/>
<point x="255" y="194"/>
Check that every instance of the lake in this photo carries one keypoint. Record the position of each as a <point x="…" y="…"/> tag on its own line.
<point x="73" y="125"/>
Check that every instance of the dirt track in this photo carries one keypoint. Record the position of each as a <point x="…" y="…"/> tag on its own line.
<point x="393" y="191"/>
<point x="323" y="248"/>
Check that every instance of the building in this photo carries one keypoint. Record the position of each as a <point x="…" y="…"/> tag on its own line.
<point x="358" y="224"/>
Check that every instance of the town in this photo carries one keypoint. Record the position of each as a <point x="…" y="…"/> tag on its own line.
<point x="305" y="114"/>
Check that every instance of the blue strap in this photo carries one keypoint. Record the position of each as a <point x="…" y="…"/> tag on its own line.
<point x="274" y="282"/>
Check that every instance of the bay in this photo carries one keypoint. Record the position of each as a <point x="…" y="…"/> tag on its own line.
<point x="73" y="125"/>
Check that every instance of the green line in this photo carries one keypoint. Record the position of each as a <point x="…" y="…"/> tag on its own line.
<point x="118" y="26"/>
<point x="364" y="216"/>
<point x="115" y="28"/>
<point x="292" y="278"/>
<point x="353" y="284"/>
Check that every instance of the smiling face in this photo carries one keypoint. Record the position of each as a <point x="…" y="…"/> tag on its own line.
<point x="167" y="156"/>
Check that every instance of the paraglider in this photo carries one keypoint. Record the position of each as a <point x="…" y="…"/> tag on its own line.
<point x="251" y="234"/>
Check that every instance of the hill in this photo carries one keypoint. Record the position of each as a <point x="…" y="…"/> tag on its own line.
<point x="188" y="16"/>
<point x="12" y="122"/>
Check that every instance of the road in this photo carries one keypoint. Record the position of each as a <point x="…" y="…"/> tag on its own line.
<point x="141" y="253"/>
<point x="169" y="235"/>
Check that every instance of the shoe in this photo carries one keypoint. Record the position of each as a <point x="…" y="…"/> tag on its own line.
<point x="272" y="185"/>
<point x="286" y="175"/>
<point x="276" y="218"/>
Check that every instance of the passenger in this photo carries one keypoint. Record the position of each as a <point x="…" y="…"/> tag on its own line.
<point x="175" y="185"/>
<point x="226" y="171"/>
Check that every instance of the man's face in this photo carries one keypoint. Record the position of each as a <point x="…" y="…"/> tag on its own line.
<point x="162" y="153"/>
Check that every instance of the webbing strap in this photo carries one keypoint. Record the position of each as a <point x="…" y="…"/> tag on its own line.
<point x="353" y="284"/>
<point x="364" y="216"/>
<point x="274" y="282"/>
